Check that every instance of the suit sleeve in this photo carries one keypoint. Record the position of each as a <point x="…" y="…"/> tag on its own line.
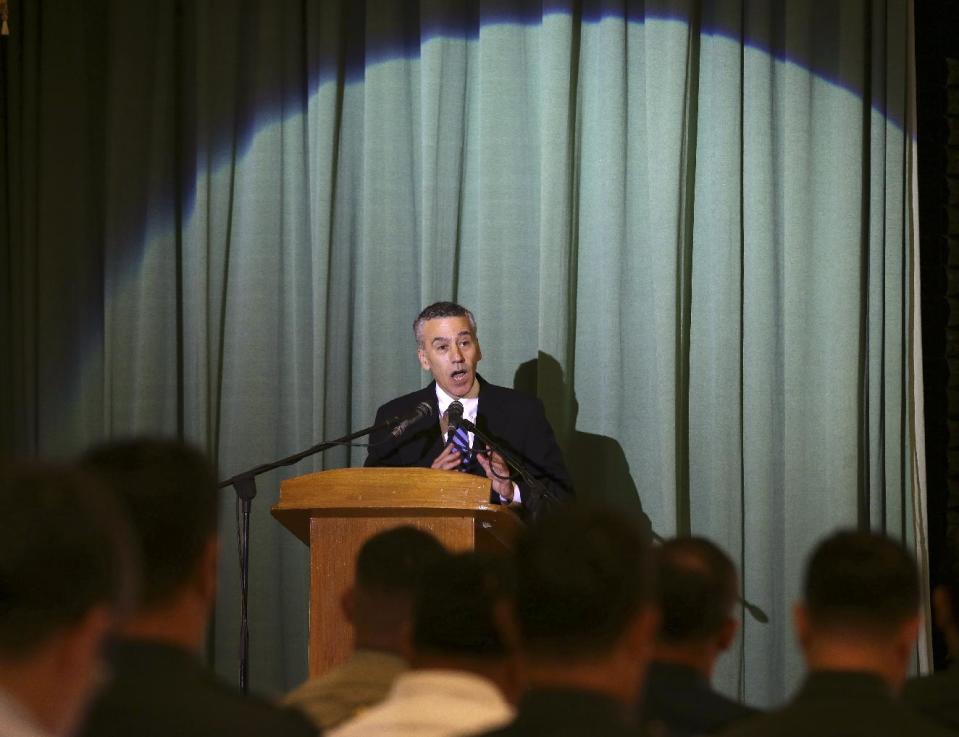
<point x="381" y="444"/>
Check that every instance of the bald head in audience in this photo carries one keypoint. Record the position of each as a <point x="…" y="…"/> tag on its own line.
<point x="698" y="589"/>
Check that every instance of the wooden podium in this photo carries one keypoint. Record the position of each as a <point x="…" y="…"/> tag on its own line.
<point x="334" y="512"/>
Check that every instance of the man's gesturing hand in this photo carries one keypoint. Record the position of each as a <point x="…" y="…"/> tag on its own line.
<point x="448" y="460"/>
<point x="497" y="472"/>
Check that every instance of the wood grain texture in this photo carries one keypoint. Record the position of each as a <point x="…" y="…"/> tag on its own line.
<point x="358" y="491"/>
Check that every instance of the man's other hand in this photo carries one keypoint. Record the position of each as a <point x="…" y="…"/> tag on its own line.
<point x="448" y="460"/>
<point x="497" y="472"/>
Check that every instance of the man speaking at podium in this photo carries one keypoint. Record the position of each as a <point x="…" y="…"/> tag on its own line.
<point x="448" y="348"/>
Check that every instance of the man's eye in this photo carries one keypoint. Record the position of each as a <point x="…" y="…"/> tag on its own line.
<point x="441" y="348"/>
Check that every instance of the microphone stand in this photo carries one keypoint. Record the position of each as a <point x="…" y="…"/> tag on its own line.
<point x="244" y="484"/>
<point x="542" y="493"/>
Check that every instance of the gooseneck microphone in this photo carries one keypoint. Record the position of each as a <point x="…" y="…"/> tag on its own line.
<point x="423" y="409"/>
<point x="454" y="418"/>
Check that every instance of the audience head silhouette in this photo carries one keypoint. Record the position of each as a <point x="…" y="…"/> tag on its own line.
<point x="169" y="490"/>
<point x="697" y="586"/>
<point x="159" y="686"/>
<point x="697" y="590"/>
<point x="697" y="593"/>
<point x="461" y="619"/>
<point x="860" y="608"/>
<point x="389" y="568"/>
<point x="67" y="574"/>
<point x="585" y="601"/>
<point x="462" y="664"/>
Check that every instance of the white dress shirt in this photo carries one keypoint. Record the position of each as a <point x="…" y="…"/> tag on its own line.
<point x="433" y="703"/>
<point x="470" y="410"/>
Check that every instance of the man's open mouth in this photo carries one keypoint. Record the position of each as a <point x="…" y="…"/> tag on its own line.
<point x="458" y="374"/>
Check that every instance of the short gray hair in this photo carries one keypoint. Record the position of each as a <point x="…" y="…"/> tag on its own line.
<point x="438" y="310"/>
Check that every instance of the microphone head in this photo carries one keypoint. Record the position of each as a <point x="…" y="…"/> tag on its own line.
<point x="454" y="414"/>
<point x="400" y="426"/>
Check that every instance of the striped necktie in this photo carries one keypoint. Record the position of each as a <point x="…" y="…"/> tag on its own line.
<point x="458" y="436"/>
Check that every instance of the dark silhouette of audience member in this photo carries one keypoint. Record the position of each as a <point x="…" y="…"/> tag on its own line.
<point x="159" y="686"/>
<point x="857" y="627"/>
<point x="67" y="573"/>
<point x="937" y="696"/>
<point x="697" y="593"/>
<point x="587" y="621"/>
<point x="463" y="661"/>
<point x="379" y="606"/>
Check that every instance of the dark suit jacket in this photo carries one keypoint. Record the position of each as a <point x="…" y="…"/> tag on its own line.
<point x="936" y="697"/>
<point x="159" y="690"/>
<point x="840" y="704"/>
<point x="679" y="701"/>
<point x="568" y="713"/>
<point x="510" y="418"/>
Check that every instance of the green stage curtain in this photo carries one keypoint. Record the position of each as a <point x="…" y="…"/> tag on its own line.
<point x="686" y="226"/>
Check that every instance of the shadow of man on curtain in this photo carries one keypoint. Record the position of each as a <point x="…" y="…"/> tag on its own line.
<point x="596" y="463"/>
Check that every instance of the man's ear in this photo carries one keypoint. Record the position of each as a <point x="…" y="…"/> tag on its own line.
<point x="348" y="603"/>
<point x="727" y="634"/>
<point x="479" y="351"/>
<point x="421" y="354"/>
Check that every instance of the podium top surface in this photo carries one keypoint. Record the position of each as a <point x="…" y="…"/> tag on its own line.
<point x="352" y="492"/>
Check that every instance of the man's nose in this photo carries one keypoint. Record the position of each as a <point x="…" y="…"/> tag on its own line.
<point x="456" y="354"/>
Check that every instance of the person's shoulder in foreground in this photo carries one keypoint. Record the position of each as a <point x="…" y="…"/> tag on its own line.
<point x="159" y="689"/>
<point x="159" y="685"/>
<point x="857" y="627"/>
<point x="574" y="712"/>
<point x="936" y="697"/>
<point x="586" y="613"/>
<point x="844" y="704"/>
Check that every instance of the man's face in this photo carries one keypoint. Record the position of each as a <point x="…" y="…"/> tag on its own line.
<point x="450" y="352"/>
